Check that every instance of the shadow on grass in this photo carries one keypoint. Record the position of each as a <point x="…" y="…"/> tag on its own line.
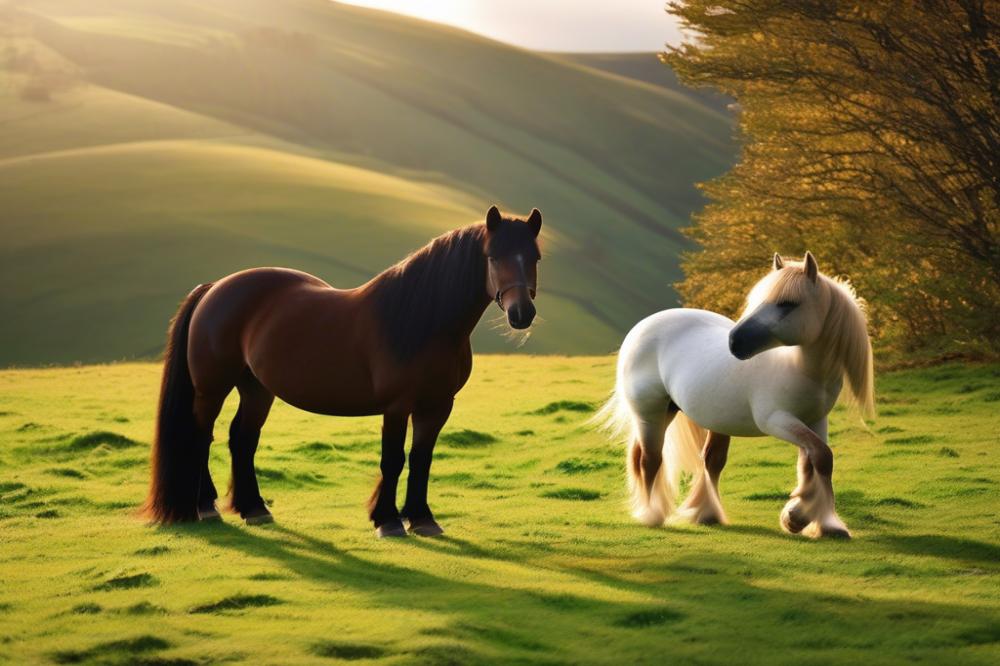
<point x="945" y="547"/>
<point x="624" y="608"/>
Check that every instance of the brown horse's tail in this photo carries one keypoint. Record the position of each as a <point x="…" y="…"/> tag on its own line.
<point x="175" y="463"/>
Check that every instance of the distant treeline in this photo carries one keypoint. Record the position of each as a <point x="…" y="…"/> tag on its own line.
<point x="872" y="137"/>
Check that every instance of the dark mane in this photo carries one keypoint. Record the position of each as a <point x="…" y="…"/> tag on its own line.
<point x="431" y="290"/>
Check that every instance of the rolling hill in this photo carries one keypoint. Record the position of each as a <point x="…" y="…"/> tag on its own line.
<point x="147" y="146"/>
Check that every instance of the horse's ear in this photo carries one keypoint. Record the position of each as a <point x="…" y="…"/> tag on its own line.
<point x="779" y="263"/>
<point x="812" y="270"/>
<point x="535" y="221"/>
<point x="493" y="218"/>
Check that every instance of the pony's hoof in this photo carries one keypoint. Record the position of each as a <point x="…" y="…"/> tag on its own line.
<point x="260" y="517"/>
<point x="427" y="527"/>
<point x="793" y="519"/>
<point x="209" y="514"/>
<point x="393" y="528"/>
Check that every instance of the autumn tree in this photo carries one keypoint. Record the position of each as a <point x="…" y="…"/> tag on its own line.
<point x="872" y="137"/>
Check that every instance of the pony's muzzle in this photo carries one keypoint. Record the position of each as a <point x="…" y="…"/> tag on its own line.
<point x="749" y="338"/>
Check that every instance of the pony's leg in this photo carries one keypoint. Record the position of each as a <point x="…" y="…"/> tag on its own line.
<point x="244" y="436"/>
<point x="426" y="426"/>
<point x="794" y="517"/>
<point x="703" y="505"/>
<point x="811" y="509"/>
<point x="382" y="504"/>
<point x="206" y="410"/>
<point x="651" y="499"/>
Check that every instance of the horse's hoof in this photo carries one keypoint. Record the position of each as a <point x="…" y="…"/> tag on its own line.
<point x="262" y="517"/>
<point x="209" y="514"/>
<point x="834" y="532"/>
<point x="426" y="528"/>
<point x="793" y="520"/>
<point x="393" y="528"/>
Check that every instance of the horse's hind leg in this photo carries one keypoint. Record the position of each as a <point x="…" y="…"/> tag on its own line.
<point x="703" y="505"/>
<point x="206" y="409"/>
<point x="652" y="500"/>
<point x="244" y="435"/>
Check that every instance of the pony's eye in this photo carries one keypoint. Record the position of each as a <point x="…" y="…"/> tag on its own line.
<point x="787" y="305"/>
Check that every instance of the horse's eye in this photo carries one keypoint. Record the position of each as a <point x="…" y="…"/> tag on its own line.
<point x="787" y="305"/>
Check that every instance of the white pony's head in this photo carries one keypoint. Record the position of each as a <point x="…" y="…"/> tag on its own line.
<point x="795" y="304"/>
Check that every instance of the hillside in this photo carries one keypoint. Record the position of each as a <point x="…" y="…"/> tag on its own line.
<point x="540" y="562"/>
<point x="646" y="67"/>
<point x="147" y="146"/>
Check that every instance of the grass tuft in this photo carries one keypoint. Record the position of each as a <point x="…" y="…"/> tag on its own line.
<point x="94" y="440"/>
<point x="766" y="497"/>
<point x="466" y="438"/>
<point x="238" y="602"/>
<point x="576" y="494"/>
<point x="348" y="651"/>
<point x="563" y="406"/>
<point x="914" y="439"/>
<point x="128" y="582"/>
<point x="581" y="466"/>
<point x="653" y="617"/>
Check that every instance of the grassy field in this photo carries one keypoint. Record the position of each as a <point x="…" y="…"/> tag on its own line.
<point x="150" y="145"/>
<point x="540" y="563"/>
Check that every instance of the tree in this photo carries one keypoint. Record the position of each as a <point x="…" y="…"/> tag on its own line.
<point x="872" y="137"/>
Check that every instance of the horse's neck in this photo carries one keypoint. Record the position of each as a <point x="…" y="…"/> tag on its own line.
<point x="469" y="321"/>
<point x="814" y="362"/>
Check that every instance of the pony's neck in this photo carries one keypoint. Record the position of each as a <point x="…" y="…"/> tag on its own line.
<point x="825" y="358"/>
<point x="815" y="362"/>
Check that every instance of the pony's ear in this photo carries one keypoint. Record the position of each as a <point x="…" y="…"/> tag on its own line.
<point x="779" y="263"/>
<point x="535" y="221"/>
<point x="812" y="270"/>
<point x="493" y="218"/>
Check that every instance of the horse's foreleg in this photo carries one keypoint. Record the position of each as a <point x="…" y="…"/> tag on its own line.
<point x="382" y="505"/>
<point x="703" y="505"/>
<point x="426" y="426"/>
<point x="811" y="508"/>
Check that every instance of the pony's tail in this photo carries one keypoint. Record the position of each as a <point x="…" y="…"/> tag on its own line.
<point x="174" y="461"/>
<point x="681" y="453"/>
<point x="682" y="449"/>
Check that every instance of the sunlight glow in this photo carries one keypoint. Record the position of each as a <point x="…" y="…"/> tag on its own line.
<point x="550" y="25"/>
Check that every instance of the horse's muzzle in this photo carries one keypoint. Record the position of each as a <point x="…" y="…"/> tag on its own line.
<point x="520" y="314"/>
<point x="748" y="338"/>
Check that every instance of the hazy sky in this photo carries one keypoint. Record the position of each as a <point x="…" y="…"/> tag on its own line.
<point x="551" y="25"/>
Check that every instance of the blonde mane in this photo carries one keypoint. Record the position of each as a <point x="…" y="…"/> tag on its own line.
<point x="844" y="336"/>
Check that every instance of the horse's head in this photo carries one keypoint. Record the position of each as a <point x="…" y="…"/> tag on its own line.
<point x="787" y="307"/>
<point x="512" y="256"/>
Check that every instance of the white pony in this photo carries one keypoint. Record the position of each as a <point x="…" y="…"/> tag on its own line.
<point x="689" y="379"/>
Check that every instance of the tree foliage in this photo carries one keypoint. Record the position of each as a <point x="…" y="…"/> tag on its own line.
<point x="872" y="137"/>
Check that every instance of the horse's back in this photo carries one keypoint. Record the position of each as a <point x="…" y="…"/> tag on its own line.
<point x="683" y="354"/>
<point x="234" y="311"/>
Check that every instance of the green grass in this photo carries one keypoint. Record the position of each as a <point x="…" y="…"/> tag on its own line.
<point x="183" y="141"/>
<point x="540" y="562"/>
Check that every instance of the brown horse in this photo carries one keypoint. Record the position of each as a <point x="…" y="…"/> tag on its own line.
<point x="397" y="346"/>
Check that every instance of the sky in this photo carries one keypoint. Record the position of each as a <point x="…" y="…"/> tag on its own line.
<point x="551" y="25"/>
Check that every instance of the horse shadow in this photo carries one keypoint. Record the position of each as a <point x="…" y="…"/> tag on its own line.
<point x="687" y="603"/>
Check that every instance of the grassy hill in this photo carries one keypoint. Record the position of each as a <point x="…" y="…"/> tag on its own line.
<point x="646" y="67"/>
<point x="147" y="146"/>
<point x="540" y="562"/>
